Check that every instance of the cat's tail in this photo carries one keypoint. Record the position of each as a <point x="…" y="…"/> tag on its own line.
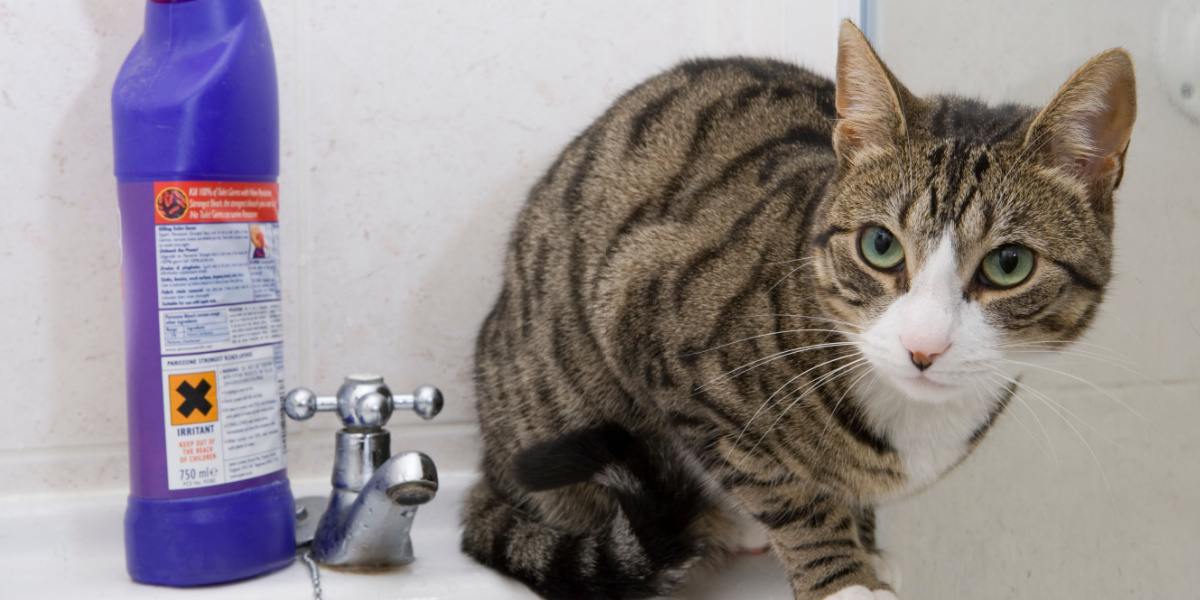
<point x="644" y="550"/>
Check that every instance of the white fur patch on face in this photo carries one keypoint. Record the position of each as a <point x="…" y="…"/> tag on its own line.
<point x="932" y="323"/>
<point x="930" y="414"/>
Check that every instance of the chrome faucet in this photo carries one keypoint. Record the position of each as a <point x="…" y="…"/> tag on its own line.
<point x="375" y="495"/>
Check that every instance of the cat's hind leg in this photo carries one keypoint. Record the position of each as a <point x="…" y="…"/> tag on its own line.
<point x="658" y="526"/>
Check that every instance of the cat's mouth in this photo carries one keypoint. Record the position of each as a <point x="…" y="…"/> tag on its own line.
<point x="925" y="383"/>
<point x="924" y="388"/>
<point x="936" y="384"/>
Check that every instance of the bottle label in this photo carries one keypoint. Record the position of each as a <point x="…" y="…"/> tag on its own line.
<point x="220" y="330"/>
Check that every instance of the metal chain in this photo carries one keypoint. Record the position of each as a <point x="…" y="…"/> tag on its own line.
<point x="314" y="572"/>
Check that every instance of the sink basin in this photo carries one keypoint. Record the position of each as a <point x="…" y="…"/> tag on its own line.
<point x="71" y="547"/>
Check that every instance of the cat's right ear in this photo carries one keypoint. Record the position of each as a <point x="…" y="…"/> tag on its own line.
<point x="870" y="101"/>
<point x="1085" y="129"/>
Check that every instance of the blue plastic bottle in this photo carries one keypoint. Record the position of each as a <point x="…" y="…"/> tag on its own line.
<point x="196" y="137"/>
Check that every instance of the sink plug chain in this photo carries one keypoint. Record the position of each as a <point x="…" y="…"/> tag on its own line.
<point x="314" y="572"/>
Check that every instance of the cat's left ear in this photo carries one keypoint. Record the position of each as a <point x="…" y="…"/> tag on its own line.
<point x="1086" y="127"/>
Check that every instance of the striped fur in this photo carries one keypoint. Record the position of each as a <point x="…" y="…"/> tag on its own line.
<point x="705" y="208"/>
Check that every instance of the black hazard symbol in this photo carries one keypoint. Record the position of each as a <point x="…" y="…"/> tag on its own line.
<point x="193" y="398"/>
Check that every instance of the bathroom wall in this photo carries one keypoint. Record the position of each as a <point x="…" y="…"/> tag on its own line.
<point x="411" y="131"/>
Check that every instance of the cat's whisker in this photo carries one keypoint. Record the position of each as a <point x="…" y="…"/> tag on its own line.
<point x="1045" y="398"/>
<point x="1155" y="383"/>
<point x="797" y="316"/>
<point x="1109" y="357"/>
<point x="784" y="262"/>
<point x="1071" y="352"/>
<point x="799" y="274"/>
<point x="763" y="335"/>
<point x="1063" y="408"/>
<point x="1125" y="365"/>
<point x="1066" y="345"/>
<point x="767" y="402"/>
<point x="752" y="365"/>
<point x="820" y="381"/>
<point x="1043" y="442"/>
<point x="1003" y="381"/>
<point x="1092" y="356"/>
<point x="1099" y="389"/>
<point x="994" y="395"/>
<point x="784" y="278"/>
<point x="838" y="404"/>
<point x="825" y="379"/>
<point x="1058" y="409"/>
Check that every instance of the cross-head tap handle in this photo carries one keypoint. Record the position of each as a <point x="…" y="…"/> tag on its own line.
<point x="363" y="402"/>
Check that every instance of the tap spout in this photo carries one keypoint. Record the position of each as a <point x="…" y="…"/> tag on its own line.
<point x="369" y="526"/>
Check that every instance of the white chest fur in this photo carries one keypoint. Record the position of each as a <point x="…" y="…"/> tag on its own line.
<point x="929" y="437"/>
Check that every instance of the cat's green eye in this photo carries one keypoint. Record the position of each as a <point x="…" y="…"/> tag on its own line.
<point x="1007" y="266"/>
<point x="880" y="248"/>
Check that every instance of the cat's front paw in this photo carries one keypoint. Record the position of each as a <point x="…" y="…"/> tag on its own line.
<point x="858" y="592"/>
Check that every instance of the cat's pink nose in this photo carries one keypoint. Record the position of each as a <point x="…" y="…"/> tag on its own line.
<point x="922" y="351"/>
<point x="921" y="360"/>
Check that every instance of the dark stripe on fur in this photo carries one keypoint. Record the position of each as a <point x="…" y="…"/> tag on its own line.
<point x="1080" y="279"/>
<point x="656" y="495"/>
<point x="795" y="136"/>
<point x="825" y="561"/>
<point x="848" y="417"/>
<point x="1001" y="404"/>
<point x="778" y="519"/>
<point x="647" y="118"/>
<point x="827" y="544"/>
<point x="954" y="172"/>
<point x="835" y="576"/>
<point x="822" y="239"/>
<point x="573" y="458"/>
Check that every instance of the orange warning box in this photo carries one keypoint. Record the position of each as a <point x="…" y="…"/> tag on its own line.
<point x="193" y="397"/>
<point x="177" y="202"/>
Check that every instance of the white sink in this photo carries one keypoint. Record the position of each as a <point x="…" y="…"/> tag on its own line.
<point x="71" y="547"/>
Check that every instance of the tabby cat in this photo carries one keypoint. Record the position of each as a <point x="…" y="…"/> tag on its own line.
<point x="749" y="292"/>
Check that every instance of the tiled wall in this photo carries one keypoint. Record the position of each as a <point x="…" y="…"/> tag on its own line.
<point x="411" y="131"/>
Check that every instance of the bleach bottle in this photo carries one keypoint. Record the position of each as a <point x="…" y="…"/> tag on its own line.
<point x="196" y="136"/>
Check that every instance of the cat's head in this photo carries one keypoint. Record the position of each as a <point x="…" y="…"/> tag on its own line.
<point x="956" y="230"/>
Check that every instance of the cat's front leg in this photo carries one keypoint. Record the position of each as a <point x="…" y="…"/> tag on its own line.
<point x="821" y="540"/>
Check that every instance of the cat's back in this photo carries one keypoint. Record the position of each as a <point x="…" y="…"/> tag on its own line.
<point x="685" y="154"/>
<point x="690" y="150"/>
<point x="676" y="166"/>
<point x="661" y="140"/>
<point x="702" y="139"/>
